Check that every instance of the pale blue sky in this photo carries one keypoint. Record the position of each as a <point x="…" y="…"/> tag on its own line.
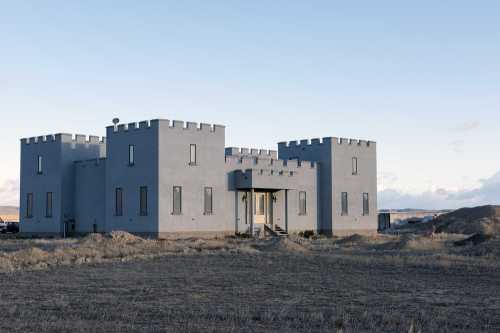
<point x="421" y="78"/>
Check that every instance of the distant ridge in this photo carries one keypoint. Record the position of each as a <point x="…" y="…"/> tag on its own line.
<point x="9" y="213"/>
<point x="408" y="210"/>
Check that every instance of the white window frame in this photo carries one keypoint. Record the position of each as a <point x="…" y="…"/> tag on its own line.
<point x="193" y="154"/>
<point x="131" y="155"/>
<point x="39" y="166"/>
<point x="344" y="212"/>
<point x="354" y="165"/>
<point x="366" y="204"/>
<point x="177" y="210"/>
<point x="208" y="206"/>
<point x="302" y="208"/>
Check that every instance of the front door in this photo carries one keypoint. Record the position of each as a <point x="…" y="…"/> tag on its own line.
<point x="262" y="208"/>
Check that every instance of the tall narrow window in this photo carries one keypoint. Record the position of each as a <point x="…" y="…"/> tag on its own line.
<point x="208" y="203"/>
<point x="345" y="204"/>
<point x="143" y="200"/>
<point x="48" y="204"/>
<point x="39" y="166"/>
<point x="302" y="203"/>
<point x="366" y="204"/>
<point x="131" y="155"/>
<point x="177" y="193"/>
<point x="118" y="201"/>
<point x="29" y="205"/>
<point x="354" y="165"/>
<point x="192" y="154"/>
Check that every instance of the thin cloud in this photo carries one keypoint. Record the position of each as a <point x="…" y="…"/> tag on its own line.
<point x="488" y="193"/>
<point x="457" y="146"/>
<point x="9" y="193"/>
<point x="387" y="179"/>
<point x="467" y="126"/>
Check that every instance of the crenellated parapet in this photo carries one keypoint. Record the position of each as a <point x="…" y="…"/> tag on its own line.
<point x="64" y="138"/>
<point x="261" y="153"/>
<point x="326" y="140"/>
<point x="171" y="124"/>
<point x="278" y="179"/>
<point x="268" y="173"/>
<point x="248" y="162"/>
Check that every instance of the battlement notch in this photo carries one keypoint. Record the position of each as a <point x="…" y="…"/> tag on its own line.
<point x="261" y="153"/>
<point x="305" y="143"/>
<point x="63" y="138"/>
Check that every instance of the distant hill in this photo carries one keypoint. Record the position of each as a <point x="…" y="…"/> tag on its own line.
<point x="9" y="213"/>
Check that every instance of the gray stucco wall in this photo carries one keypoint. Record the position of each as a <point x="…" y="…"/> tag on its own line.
<point x="73" y="150"/>
<point x="175" y="139"/>
<point x="334" y="157"/>
<point x="144" y="172"/>
<point x="320" y="152"/>
<point x="90" y="198"/>
<point x="39" y="184"/>
<point x="365" y="181"/>
<point x="58" y="152"/>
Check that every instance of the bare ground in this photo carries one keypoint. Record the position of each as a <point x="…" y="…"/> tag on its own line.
<point x="122" y="283"/>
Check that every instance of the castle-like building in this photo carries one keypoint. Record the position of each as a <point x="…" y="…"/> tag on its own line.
<point x="164" y="178"/>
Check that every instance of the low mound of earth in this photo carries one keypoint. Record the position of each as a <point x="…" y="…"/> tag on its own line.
<point x="465" y="221"/>
<point x="478" y="220"/>
<point x="18" y="254"/>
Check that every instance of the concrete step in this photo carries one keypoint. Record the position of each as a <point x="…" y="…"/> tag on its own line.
<point x="276" y="232"/>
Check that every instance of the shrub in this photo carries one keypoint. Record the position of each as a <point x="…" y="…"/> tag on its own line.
<point x="306" y="233"/>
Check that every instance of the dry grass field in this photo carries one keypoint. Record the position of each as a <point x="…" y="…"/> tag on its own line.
<point x="118" y="282"/>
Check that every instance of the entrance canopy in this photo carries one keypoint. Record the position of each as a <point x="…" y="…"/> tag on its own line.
<point x="265" y="179"/>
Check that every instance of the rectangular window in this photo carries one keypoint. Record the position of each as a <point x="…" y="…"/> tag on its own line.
<point x="48" y="204"/>
<point x="177" y="200"/>
<point x="131" y="155"/>
<point x="118" y="201"/>
<point x="143" y="200"/>
<point x="345" y="204"/>
<point x="39" y="167"/>
<point x="366" y="204"/>
<point x="302" y="203"/>
<point x="29" y="205"/>
<point x="354" y="165"/>
<point x="208" y="203"/>
<point x="192" y="154"/>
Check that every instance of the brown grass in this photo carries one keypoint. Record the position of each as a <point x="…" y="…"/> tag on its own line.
<point x="20" y="254"/>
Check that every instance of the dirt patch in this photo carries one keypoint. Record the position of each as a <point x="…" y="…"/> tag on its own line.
<point x="124" y="237"/>
<point x="285" y="244"/>
<point x="473" y="240"/>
